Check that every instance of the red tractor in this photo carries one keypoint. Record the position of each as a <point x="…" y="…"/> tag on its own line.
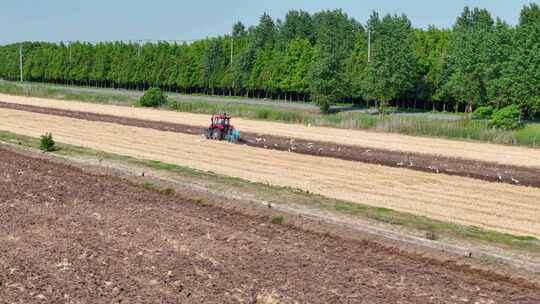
<point x="221" y="129"/>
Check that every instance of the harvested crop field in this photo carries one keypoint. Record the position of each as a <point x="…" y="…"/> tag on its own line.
<point x="525" y="176"/>
<point x="506" y="155"/>
<point x="74" y="237"/>
<point x="461" y="200"/>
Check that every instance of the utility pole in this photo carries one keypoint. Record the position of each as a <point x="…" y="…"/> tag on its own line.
<point x="369" y="45"/>
<point x="231" y="69"/>
<point x="232" y="48"/>
<point x="21" y="62"/>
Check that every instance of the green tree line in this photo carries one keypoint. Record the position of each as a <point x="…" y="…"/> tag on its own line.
<point x="321" y="57"/>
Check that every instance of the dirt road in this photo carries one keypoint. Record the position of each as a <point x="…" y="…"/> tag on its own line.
<point x="72" y="237"/>
<point x="507" y="155"/>
<point x="467" y="201"/>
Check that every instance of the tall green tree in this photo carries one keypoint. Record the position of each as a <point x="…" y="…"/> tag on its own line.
<point x="335" y="40"/>
<point x="213" y="64"/>
<point x="524" y="66"/>
<point x="296" y="65"/>
<point x="297" y="25"/>
<point x="468" y="58"/>
<point x="356" y="67"/>
<point x="265" y="33"/>
<point x="430" y="48"/>
<point x="499" y="81"/>
<point x="392" y="67"/>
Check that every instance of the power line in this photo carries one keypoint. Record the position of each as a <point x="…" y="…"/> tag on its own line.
<point x="138" y="41"/>
<point x="167" y="40"/>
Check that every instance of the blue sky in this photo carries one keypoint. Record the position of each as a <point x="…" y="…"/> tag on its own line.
<point x="93" y="20"/>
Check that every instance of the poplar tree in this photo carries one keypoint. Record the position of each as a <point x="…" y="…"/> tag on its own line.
<point x="391" y="70"/>
<point x="468" y="58"/>
<point x="336" y="33"/>
<point x="524" y="65"/>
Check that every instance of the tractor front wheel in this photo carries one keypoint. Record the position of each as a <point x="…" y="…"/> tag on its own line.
<point x="217" y="134"/>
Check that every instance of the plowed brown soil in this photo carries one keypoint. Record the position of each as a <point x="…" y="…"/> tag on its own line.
<point x="67" y="236"/>
<point x="506" y="155"/>
<point x="461" y="200"/>
<point x="494" y="172"/>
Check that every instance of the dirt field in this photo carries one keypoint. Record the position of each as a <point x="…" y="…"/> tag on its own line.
<point x="467" y="201"/>
<point x="72" y="237"/>
<point x="517" y="156"/>
<point x="494" y="172"/>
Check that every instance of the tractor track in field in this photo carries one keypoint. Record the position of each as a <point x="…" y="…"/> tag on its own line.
<point x="488" y="171"/>
<point x="102" y="239"/>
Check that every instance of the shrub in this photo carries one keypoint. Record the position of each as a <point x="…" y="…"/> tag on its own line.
<point x="278" y="219"/>
<point x="324" y="102"/>
<point x="483" y="113"/>
<point x="153" y="97"/>
<point x="508" y="118"/>
<point x="46" y="143"/>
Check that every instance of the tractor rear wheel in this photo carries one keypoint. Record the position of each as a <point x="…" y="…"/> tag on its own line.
<point x="217" y="134"/>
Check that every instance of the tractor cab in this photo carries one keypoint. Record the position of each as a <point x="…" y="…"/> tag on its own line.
<point x="220" y="121"/>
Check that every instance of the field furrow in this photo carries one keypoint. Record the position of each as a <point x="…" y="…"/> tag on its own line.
<point x="507" y="155"/>
<point x="462" y="200"/>
<point x="102" y="238"/>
